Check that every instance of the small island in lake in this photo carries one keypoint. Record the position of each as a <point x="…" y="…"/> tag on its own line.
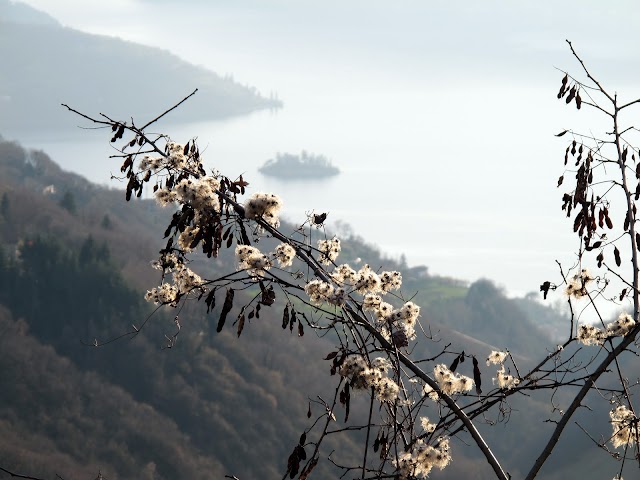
<point x="305" y="165"/>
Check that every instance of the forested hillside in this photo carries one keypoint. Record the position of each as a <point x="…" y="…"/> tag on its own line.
<point x="74" y="265"/>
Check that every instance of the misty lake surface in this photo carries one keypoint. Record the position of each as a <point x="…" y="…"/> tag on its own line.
<point x="456" y="176"/>
<point x="413" y="180"/>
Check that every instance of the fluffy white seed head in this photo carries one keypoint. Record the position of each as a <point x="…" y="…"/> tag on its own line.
<point x="625" y="426"/>
<point x="264" y="205"/>
<point x="497" y="357"/>
<point x="329" y="250"/>
<point x="451" y="382"/>
<point x="285" y="254"/>
<point x="505" y="380"/>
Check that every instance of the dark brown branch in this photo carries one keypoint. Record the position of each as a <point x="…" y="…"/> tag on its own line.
<point x="471" y="428"/>
<point x="577" y="401"/>
<point x="604" y="92"/>
<point x="18" y="475"/>
<point x="633" y="102"/>
<point x="87" y="117"/>
<point x="169" y="110"/>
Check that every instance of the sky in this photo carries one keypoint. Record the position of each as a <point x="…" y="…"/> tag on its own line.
<point x="466" y="38"/>
<point x="471" y="83"/>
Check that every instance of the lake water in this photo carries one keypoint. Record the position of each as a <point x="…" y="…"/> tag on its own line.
<point x="416" y="179"/>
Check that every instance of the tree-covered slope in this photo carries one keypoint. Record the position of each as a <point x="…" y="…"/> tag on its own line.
<point x="56" y="417"/>
<point x="73" y="267"/>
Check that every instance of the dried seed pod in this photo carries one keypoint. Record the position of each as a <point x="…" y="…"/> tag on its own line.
<point x="347" y="402"/>
<point x="376" y="443"/>
<point x="293" y="319"/>
<point x="226" y="308"/>
<point x="293" y="463"/>
<point x="608" y="221"/>
<point x="241" y="321"/>
<point x="476" y="376"/>
<point x="128" y="162"/>
<point x="319" y="219"/>
<point x="454" y="364"/>
<point x="268" y="295"/>
<point x="544" y="288"/>
<point x="601" y="218"/>
<point x="130" y="187"/>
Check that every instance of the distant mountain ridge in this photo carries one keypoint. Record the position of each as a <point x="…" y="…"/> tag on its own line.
<point x="45" y="64"/>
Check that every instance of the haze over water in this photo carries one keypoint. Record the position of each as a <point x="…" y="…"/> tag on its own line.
<point x="440" y="118"/>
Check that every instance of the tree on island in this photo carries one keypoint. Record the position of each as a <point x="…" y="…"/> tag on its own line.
<point x="417" y="408"/>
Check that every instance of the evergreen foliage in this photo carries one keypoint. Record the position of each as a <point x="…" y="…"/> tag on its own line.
<point x="5" y="209"/>
<point x="68" y="202"/>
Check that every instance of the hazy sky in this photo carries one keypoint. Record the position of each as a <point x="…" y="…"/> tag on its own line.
<point x="465" y="41"/>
